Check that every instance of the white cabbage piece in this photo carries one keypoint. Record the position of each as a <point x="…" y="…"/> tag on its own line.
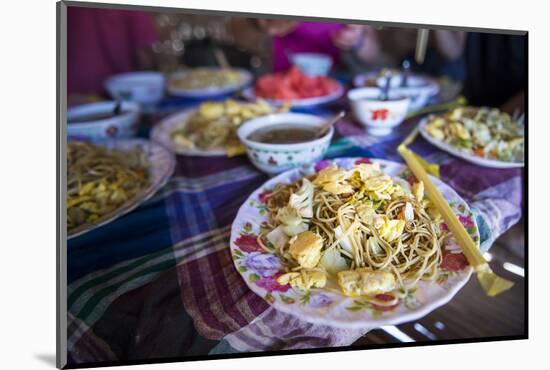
<point x="302" y="200"/>
<point x="374" y="247"/>
<point x="291" y="221"/>
<point x="277" y="237"/>
<point x="408" y="212"/>
<point x="292" y="230"/>
<point x="333" y="262"/>
<point x="289" y="216"/>
<point x="418" y="190"/>
<point x="403" y="183"/>
<point x="344" y="240"/>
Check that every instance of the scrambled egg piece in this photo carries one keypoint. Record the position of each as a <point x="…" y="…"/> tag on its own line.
<point x="456" y="129"/>
<point x="182" y="140"/>
<point x="389" y="229"/>
<point x="366" y="212"/>
<point x="304" y="279"/>
<point x="364" y="282"/>
<point x="378" y="183"/>
<point x="457" y="113"/>
<point x="366" y="170"/>
<point x="305" y="248"/>
<point x="437" y="122"/>
<point x="334" y="180"/>
<point x="435" y="128"/>
<point x="212" y="110"/>
<point x="435" y="132"/>
<point x="418" y="191"/>
<point x="372" y="183"/>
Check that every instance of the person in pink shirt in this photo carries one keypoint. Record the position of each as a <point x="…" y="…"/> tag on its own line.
<point x="103" y="42"/>
<point x="326" y="38"/>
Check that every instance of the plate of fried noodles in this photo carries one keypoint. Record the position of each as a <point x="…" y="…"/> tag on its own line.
<point x="109" y="179"/>
<point x="208" y="82"/>
<point x="210" y="129"/>
<point x="350" y="243"/>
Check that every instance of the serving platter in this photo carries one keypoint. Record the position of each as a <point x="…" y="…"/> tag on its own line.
<point x="327" y="306"/>
<point x="480" y="161"/>
<point x="162" y="134"/>
<point x="162" y="164"/>
<point x="209" y="92"/>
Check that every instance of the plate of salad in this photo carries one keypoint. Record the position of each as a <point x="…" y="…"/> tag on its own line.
<point x="484" y="136"/>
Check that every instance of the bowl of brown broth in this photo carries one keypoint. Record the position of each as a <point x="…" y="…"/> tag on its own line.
<point x="278" y="142"/>
<point x="99" y="121"/>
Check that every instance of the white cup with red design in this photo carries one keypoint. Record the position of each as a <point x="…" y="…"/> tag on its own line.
<point x="377" y="115"/>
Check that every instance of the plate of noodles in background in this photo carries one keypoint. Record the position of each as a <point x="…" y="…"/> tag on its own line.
<point x="109" y="179"/>
<point x="350" y="243"/>
<point x="211" y="129"/>
<point x="208" y="82"/>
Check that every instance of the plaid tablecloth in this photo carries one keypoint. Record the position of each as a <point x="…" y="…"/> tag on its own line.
<point x="159" y="282"/>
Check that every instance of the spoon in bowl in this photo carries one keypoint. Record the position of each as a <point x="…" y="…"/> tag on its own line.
<point x="116" y="110"/>
<point x="323" y="129"/>
<point x="386" y="89"/>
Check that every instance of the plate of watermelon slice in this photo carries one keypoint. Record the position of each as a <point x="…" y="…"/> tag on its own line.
<point x="296" y="88"/>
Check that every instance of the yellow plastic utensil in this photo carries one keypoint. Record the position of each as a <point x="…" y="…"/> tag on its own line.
<point x="490" y="282"/>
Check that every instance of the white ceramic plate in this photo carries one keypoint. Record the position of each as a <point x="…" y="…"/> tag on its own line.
<point x="259" y="268"/>
<point x="162" y="164"/>
<point x="162" y="133"/>
<point x="485" y="162"/>
<point x="209" y="92"/>
<point x="299" y="103"/>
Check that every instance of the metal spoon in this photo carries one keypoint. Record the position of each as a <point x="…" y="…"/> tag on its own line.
<point x="116" y="110"/>
<point x="221" y="59"/>
<point x="386" y="89"/>
<point x="323" y="129"/>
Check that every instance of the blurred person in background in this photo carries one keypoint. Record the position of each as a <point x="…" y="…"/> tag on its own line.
<point x="376" y="48"/>
<point x="104" y="42"/>
<point x="495" y="70"/>
<point x="294" y="37"/>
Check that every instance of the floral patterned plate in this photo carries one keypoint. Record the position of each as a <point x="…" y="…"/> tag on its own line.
<point x="260" y="269"/>
<point x="162" y="164"/>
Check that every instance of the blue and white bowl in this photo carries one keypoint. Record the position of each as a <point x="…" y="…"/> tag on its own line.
<point x="277" y="158"/>
<point x="312" y="64"/>
<point x="123" y="125"/>
<point x="145" y="88"/>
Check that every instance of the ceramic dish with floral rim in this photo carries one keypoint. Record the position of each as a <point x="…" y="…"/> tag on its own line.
<point x="261" y="269"/>
<point x="161" y="164"/>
